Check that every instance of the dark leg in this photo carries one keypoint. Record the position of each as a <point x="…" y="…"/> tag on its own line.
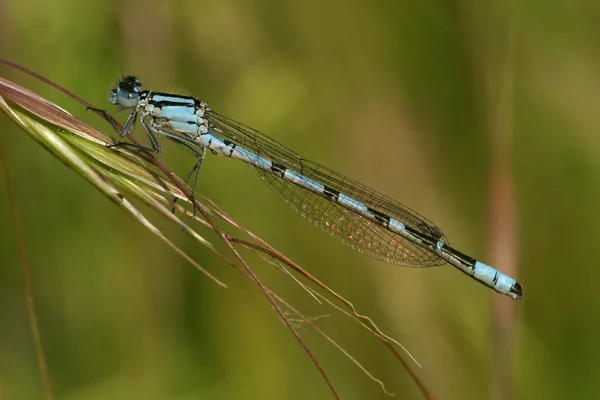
<point x="128" y="128"/>
<point x="150" y="130"/>
<point x="195" y="168"/>
<point x="193" y="147"/>
<point x="129" y="125"/>
<point x="104" y="114"/>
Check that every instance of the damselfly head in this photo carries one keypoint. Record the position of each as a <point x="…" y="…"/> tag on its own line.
<point x="127" y="92"/>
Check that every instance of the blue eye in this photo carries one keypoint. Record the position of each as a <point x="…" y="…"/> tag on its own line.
<point x="127" y="99"/>
<point x="127" y="92"/>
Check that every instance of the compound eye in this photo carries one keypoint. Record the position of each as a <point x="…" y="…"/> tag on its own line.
<point x="126" y="94"/>
<point x="128" y="98"/>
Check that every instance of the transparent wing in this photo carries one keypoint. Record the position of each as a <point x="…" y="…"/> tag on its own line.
<point x="350" y="228"/>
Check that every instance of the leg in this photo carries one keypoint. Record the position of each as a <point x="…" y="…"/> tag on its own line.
<point x="104" y="114"/>
<point x="150" y="130"/>
<point x="130" y="124"/>
<point x="127" y="129"/>
<point x="194" y="148"/>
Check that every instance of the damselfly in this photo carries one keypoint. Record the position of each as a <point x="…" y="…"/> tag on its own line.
<point x="360" y="217"/>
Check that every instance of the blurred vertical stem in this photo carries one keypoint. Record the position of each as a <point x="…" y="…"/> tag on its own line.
<point x="499" y="70"/>
<point x="33" y="315"/>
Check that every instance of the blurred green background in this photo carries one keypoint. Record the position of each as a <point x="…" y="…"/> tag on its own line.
<point x="482" y="117"/>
